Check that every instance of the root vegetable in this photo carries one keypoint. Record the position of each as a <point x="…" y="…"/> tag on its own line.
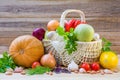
<point x="52" y="25"/>
<point x="39" y="33"/>
<point x="48" y="60"/>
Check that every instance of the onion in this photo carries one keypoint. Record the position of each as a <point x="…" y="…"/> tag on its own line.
<point x="52" y="25"/>
<point x="48" y="60"/>
<point x="39" y="33"/>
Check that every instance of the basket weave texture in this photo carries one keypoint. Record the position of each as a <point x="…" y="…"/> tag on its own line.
<point x="86" y="51"/>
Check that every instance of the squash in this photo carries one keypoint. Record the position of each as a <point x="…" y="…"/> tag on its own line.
<point x="25" y="50"/>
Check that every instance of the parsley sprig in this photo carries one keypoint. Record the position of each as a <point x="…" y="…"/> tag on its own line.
<point x="38" y="70"/>
<point x="6" y="62"/>
<point x="107" y="44"/>
<point x="69" y="38"/>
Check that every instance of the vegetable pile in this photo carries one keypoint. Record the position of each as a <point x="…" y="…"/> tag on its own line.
<point x="28" y="51"/>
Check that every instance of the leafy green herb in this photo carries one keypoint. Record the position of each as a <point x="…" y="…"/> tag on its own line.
<point x="38" y="70"/>
<point x="107" y="44"/>
<point x="6" y="62"/>
<point x="69" y="38"/>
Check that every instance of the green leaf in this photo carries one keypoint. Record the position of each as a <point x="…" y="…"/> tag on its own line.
<point x="38" y="70"/>
<point x="6" y="62"/>
<point x="60" y="31"/>
<point x="69" y="38"/>
<point x="106" y="45"/>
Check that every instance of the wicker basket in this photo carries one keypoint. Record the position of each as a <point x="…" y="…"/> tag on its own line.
<point x="86" y="51"/>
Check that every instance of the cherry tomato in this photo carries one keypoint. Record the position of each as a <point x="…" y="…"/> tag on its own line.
<point x="35" y="64"/>
<point x="95" y="66"/>
<point x="86" y="66"/>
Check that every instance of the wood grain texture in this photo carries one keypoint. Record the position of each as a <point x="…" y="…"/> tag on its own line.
<point x="21" y="17"/>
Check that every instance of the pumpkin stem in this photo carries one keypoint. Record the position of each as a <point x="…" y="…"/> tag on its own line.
<point x="21" y="51"/>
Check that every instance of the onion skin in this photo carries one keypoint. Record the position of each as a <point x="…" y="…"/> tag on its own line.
<point x="48" y="60"/>
<point x="52" y="25"/>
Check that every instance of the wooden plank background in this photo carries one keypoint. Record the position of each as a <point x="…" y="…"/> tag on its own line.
<point x="20" y="17"/>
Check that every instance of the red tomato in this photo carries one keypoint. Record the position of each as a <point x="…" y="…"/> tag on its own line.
<point x="35" y="64"/>
<point x="77" y="22"/>
<point x="95" y="66"/>
<point x="86" y="66"/>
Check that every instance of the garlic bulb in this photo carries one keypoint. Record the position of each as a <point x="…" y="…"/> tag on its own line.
<point x="96" y="36"/>
<point x="52" y="35"/>
<point x="72" y="66"/>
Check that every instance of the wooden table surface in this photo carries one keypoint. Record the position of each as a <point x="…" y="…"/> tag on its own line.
<point x="73" y="76"/>
<point x="20" y="17"/>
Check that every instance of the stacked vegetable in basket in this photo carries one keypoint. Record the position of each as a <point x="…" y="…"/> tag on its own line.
<point x="28" y="50"/>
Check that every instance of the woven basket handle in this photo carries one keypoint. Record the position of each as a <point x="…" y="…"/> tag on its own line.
<point x="62" y="19"/>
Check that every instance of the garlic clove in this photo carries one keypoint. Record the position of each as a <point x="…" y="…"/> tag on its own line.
<point x="8" y="73"/>
<point x="23" y="72"/>
<point x="72" y="66"/>
<point x="18" y="70"/>
<point x="96" y="36"/>
<point x="82" y="70"/>
<point x="9" y="70"/>
<point x="102" y="72"/>
<point x="93" y="72"/>
<point x="107" y="71"/>
<point x="76" y="71"/>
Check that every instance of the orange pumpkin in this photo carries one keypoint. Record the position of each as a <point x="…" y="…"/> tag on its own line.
<point x="25" y="50"/>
